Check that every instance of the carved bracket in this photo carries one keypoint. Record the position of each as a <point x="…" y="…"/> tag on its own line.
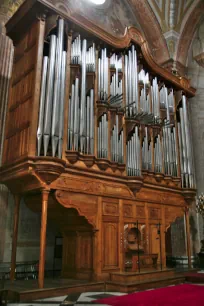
<point x="135" y="184"/>
<point x="86" y="207"/>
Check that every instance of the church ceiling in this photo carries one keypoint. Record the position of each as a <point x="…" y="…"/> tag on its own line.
<point x="171" y="14"/>
<point x="163" y="22"/>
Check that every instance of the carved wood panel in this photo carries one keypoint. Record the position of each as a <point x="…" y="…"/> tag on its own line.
<point x="128" y="210"/>
<point x="19" y="114"/>
<point x="154" y="213"/>
<point x="110" y="208"/>
<point x="69" y="254"/>
<point x="84" y="251"/>
<point x="154" y="240"/>
<point x="110" y="242"/>
<point x="140" y="212"/>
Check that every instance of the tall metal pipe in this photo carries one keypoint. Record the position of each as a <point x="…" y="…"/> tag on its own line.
<point x="61" y="104"/>
<point x="42" y="103"/>
<point x="56" y="88"/>
<point x="49" y="94"/>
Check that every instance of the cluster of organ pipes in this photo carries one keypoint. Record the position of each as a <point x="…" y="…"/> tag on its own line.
<point x="158" y="155"/>
<point x="103" y="76"/>
<point x="81" y="139"/>
<point x="146" y="153"/>
<point x="133" y="164"/>
<point x="131" y="83"/>
<point x="51" y="113"/>
<point x="186" y="156"/>
<point x="169" y="147"/>
<point x="88" y="55"/>
<point x="144" y="99"/>
<point x="117" y="143"/>
<point x="103" y="137"/>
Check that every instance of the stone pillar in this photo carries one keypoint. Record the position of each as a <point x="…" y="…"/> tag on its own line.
<point x="196" y="114"/>
<point x="6" y="59"/>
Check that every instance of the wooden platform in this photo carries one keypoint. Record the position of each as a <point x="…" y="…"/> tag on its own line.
<point x="27" y="290"/>
<point x="129" y="282"/>
<point x="195" y="277"/>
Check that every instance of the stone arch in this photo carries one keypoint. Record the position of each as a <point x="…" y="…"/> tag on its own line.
<point x="152" y="30"/>
<point x="188" y="33"/>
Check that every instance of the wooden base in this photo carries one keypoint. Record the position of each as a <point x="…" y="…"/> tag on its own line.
<point x="132" y="281"/>
<point x="126" y="277"/>
<point x="144" y="285"/>
<point x="27" y="291"/>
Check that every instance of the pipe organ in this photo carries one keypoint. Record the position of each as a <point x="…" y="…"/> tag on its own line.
<point x="143" y="99"/>
<point x="98" y="130"/>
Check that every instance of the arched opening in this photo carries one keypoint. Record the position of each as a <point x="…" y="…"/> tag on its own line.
<point x="72" y="243"/>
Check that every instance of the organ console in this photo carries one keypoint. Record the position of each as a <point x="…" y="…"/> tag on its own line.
<point x="93" y="121"/>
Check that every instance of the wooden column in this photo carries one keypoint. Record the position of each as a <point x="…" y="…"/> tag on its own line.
<point x="45" y="195"/>
<point x="121" y="237"/>
<point x="17" y="199"/>
<point x="188" y="237"/>
<point x="97" y="248"/>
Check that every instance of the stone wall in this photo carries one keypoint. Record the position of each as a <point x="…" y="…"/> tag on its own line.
<point x="196" y="108"/>
<point x="28" y="236"/>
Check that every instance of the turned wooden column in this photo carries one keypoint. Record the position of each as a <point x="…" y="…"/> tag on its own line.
<point x="188" y="237"/>
<point x="17" y="199"/>
<point x="45" y="195"/>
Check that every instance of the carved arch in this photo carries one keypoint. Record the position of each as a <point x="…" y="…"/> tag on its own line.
<point x="172" y="213"/>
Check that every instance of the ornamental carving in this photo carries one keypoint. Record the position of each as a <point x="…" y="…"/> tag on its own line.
<point x="128" y="211"/>
<point x="85" y="205"/>
<point x="154" y="213"/>
<point x="110" y="209"/>
<point x="95" y="187"/>
<point x="140" y="211"/>
<point x="160" y="197"/>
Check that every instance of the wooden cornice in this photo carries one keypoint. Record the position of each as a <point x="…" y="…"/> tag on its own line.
<point x="36" y="8"/>
<point x="34" y="173"/>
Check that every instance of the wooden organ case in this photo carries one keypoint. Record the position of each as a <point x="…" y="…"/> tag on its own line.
<point x="97" y="137"/>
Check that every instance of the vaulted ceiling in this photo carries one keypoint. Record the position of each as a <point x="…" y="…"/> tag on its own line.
<point x="172" y="14"/>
